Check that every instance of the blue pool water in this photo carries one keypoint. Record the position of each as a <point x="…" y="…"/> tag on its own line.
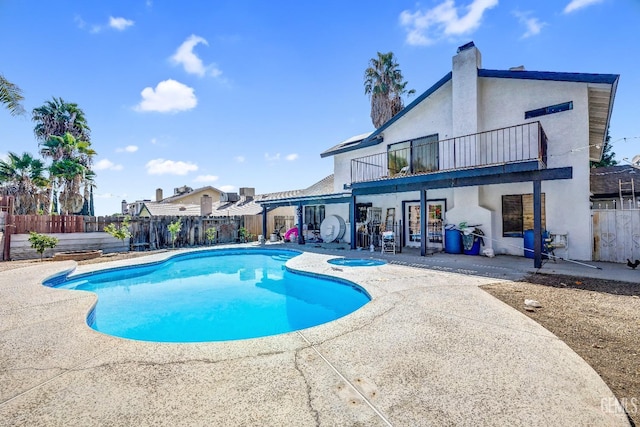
<point x="214" y="296"/>
<point x="356" y="262"/>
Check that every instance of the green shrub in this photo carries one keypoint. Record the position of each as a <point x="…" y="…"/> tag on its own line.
<point x="174" y="228"/>
<point x="210" y="234"/>
<point x="121" y="232"/>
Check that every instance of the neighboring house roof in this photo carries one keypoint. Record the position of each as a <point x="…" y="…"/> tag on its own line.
<point x="244" y="206"/>
<point x="177" y="197"/>
<point x="170" y="209"/>
<point x="605" y="182"/>
<point x="599" y="109"/>
<point x="219" y="209"/>
<point x="241" y="207"/>
<point x="322" y="188"/>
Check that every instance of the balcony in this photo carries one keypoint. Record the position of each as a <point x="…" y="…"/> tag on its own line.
<point x="516" y="144"/>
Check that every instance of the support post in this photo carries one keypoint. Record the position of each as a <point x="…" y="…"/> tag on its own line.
<point x="537" y="224"/>
<point x="265" y="234"/>
<point x="352" y="222"/>
<point x="300" y="212"/>
<point x="424" y="215"/>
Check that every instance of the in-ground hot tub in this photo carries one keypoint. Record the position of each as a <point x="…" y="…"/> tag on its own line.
<point x="356" y="262"/>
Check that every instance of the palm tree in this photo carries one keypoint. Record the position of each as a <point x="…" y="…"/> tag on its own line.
<point x="57" y="117"/>
<point x="23" y="177"/>
<point x="11" y="96"/>
<point x="70" y="174"/>
<point x="62" y="130"/>
<point x="70" y="170"/>
<point x="385" y="85"/>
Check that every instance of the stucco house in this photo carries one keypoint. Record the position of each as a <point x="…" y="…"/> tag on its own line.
<point x="507" y="150"/>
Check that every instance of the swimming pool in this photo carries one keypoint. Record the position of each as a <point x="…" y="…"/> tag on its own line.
<point x="216" y="295"/>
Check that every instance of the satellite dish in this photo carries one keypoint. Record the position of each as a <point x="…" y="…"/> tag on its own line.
<point x="635" y="162"/>
<point x="332" y="228"/>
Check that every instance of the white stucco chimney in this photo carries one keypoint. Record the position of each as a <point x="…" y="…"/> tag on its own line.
<point x="206" y="205"/>
<point x="465" y="89"/>
<point x="158" y="194"/>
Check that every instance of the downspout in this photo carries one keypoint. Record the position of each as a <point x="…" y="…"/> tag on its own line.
<point x="265" y="236"/>
<point x="537" y="223"/>
<point x="423" y="222"/>
<point x="299" y="211"/>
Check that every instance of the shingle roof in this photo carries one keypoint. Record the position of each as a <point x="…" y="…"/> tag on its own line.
<point x="176" y="197"/>
<point x="322" y="187"/>
<point x="219" y="209"/>
<point x="604" y="182"/>
<point x="172" y="209"/>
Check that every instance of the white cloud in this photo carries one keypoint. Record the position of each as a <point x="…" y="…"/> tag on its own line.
<point x="579" y="4"/>
<point x="206" y="178"/>
<point x="128" y="149"/>
<point x="154" y="141"/>
<point x="162" y="167"/>
<point x="291" y="157"/>
<point x="533" y="25"/>
<point x="106" y="164"/>
<point x="192" y="64"/>
<point x="169" y="96"/>
<point x="426" y="27"/>
<point x="227" y="188"/>
<point x="119" y="23"/>
<point x="272" y="158"/>
<point x="79" y="21"/>
<point x="239" y="159"/>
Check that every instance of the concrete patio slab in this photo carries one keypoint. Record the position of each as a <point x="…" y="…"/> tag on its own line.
<point x="431" y="348"/>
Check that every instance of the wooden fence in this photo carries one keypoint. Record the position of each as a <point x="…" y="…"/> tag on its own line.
<point x="616" y="235"/>
<point x="146" y="233"/>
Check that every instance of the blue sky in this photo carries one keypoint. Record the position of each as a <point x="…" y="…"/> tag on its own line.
<point x="249" y="93"/>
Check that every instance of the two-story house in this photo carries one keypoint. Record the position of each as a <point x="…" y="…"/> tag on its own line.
<point x="507" y="150"/>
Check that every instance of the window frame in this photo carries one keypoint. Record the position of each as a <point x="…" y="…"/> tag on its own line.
<point x="406" y="151"/>
<point x="521" y="216"/>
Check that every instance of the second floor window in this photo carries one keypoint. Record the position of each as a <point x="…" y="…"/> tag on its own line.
<point x="418" y="155"/>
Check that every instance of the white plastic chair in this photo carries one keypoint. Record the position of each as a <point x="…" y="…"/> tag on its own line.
<point x="388" y="242"/>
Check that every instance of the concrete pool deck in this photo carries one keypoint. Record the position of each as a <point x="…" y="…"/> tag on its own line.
<point x="431" y="348"/>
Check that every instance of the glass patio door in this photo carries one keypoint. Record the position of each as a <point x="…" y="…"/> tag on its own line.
<point x="435" y="224"/>
<point x="412" y="225"/>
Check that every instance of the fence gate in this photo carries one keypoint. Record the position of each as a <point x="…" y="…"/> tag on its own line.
<point x="616" y="235"/>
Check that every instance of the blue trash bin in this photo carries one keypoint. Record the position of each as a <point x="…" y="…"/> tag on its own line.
<point x="529" y="244"/>
<point x="452" y="241"/>
<point x="475" y="248"/>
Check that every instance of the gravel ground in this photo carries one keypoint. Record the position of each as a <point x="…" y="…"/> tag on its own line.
<point x="598" y="319"/>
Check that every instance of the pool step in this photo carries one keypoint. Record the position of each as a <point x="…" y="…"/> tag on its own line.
<point x="282" y="257"/>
